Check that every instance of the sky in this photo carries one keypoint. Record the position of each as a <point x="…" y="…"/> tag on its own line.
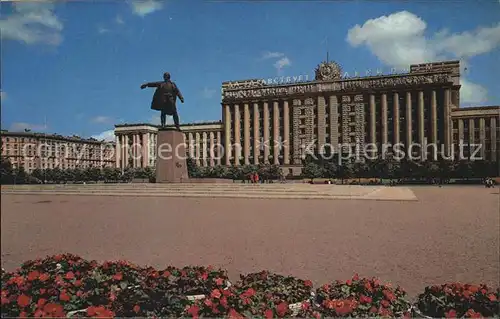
<point x="75" y="67"/>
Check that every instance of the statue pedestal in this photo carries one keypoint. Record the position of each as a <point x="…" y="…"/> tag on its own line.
<point x="171" y="157"/>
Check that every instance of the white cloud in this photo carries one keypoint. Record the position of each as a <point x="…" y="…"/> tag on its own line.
<point x="101" y="119"/>
<point x="282" y="63"/>
<point x="272" y="55"/>
<point x="399" y="40"/>
<point x="119" y="20"/>
<point x="21" y="126"/>
<point x="472" y="93"/>
<point x="32" y="23"/>
<point x="145" y="7"/>
<point x="108" y="136"/>
<point x="208" y="93"/>
<point x="102" y="30"/>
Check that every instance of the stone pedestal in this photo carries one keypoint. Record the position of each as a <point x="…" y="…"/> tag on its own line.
<point x="171" y="157"/>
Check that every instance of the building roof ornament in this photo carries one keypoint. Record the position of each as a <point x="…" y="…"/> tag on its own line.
<point x="328" y="71"/>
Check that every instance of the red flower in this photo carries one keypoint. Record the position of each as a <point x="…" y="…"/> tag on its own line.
<point x="385" y="303"/>
<point x="23" y="315"/>
<point x="118" y="276"/>
<point x="166" y="274"/>
<point x="223" y="302"/>
<point x="77" y="283"/>
<point x="41" y="302"/>
<point x="373" y="309"/>
<point x="233" y="314"/>
<point x="249" y="293"/>
<point x="368" y="286"/>
<point x="227" y="292"/>
<point x="208" y="303"/>
<point x="64" y="296"/>
<point x="355" y="277"/>
<point x="365" y="299"/>
<point x="99" y="312"/>
<point x="215" y="294"/>
<point x="306" y="306"/>
<point x="492" y="297"/>
<point x="268" y="314"/>
<point x="19" y="280"/>
<point x="451" y="314"/>
<point x="219" y="281"/>
<point x="23" y="301"/>
<point x="389" y="295"/>
<point x="42" y="291"/>
<point x="5" y="301"/>
<point x="473" y="289"/>
<point x="384" y="312"/>
<point x="282" y="309"/>
<point x="326" y="287"/>
<point x="308" y="283"/>
<point x="204" y="276"/>
<point x="70" y="275"/>
<point x="54" y="310"/>
<point x="43" y="277"/>
<point x="193" y="311"/>
<point x="472" y="314"/>
<point x="33" y="275"/>
<point x="39" y="313"/>
<point x="137" y="308"/>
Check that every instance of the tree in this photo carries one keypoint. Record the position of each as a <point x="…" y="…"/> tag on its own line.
<point x="330" y="170"/>
<point x="6" y="171"/>
<point x="312" y="170"/>
<point x="192" y="168"/>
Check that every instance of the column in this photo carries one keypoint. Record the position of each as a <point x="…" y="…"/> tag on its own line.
<point x="212" y="149"/>
<point x="145" y="149"/>
<point x="227" y="134"/>
<point x="218" y="148"/>
<point x="409" y="130"/>
<point x="246" y="134"/>
<point x="395" y="117"/>
<point x="383" y="100"/>
<point x="276" y="132"/>
<point x="434" y="120"/>
<point x="117" y="151"/>
<point x="256" y="134"/>
<point x="266" y="132"/>
<point x="191" y="145"/>
<point x="134" y="150"/>
<point x="197" y="148"/>
<point x="204" y="150"/>
<point x="125" y="152"/>
<point x="421" y="126"/>
<point x="447" y="119"/>
<point x="321" y="127"/>
<point x="493" y="133"/>
<point x="460" y="132"/>
<point x="373" y="121"/>
<point x="334" y="121"/>
<point x="482" y="137"/>
<point x="237" y="138"/>
<point x="286" y="133"/>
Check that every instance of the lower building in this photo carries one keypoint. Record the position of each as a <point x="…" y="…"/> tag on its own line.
<point x="136" y="144"/>
<point x="41" y="151"/>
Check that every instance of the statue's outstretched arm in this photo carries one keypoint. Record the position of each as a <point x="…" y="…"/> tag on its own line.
<point x="151" y="85"/>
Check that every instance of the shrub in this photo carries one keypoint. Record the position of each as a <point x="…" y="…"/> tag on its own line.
<point x="457" y="300"/>
<point x="362" y="297"/>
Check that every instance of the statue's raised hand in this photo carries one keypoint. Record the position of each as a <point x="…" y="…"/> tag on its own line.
<point x="143" y="86"/>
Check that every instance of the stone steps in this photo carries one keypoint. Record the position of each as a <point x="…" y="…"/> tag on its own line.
<point x="271" y="191"/>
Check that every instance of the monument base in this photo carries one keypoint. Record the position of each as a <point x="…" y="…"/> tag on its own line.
<point x="171" y="157"/>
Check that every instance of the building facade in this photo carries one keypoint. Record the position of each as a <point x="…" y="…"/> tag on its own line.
<point x="136" y="144"/>
<point x="42" y="151"/>
<point x="276" y="123"/>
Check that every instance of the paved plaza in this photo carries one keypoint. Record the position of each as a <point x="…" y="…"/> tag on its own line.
<point x="439" y="235"/>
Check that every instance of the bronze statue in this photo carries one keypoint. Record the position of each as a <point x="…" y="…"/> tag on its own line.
<point x="165" y="98"/>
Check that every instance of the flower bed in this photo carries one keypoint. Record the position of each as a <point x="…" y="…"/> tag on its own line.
<point x="458" y="300"/>
<point x="69" y="286"/>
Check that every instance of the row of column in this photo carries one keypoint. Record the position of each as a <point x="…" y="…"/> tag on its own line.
<point x="139" y="151"/>
<point x="408" y="118"/>
<point x="240" y="148"/>
<point x="204" y="147"/>
<point x="482" y="135"/>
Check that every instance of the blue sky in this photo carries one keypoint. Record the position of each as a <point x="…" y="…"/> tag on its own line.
<point x="76" y="67"/>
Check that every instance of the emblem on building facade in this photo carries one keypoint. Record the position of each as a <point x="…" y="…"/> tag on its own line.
<point x="328" y="71"/>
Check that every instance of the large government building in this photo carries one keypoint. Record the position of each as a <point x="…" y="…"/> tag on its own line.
<point x="271" y="121"/>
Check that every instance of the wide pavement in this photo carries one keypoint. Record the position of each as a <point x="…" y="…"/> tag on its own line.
<point x="448" y="234"/>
